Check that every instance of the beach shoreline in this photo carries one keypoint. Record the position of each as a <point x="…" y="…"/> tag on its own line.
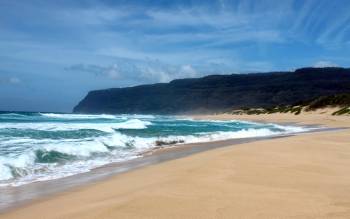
<point x="181" y="165"/>
<point x="16" y="197"/>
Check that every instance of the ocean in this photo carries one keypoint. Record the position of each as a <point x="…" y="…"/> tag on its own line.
<point x="46" y="146"/>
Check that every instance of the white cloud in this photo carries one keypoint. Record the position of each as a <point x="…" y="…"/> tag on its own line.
<point x="10" y="80"/>
<point x="166" y="73"/>
<point x="112" y="72"/>
<point x="324" y="64"/>
<point x="14" y="80"/>
<point x="187" y="71"/>
<point x="147" y="71"/>
<point x="155" y="74"/>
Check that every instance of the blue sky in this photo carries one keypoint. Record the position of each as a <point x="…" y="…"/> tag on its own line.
<point x="53" y="52"/>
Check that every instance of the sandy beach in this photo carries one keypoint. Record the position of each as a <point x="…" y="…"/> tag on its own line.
<point x="303" y="176"/>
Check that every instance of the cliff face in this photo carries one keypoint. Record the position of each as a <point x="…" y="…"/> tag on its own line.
<point x="219" y="92"/>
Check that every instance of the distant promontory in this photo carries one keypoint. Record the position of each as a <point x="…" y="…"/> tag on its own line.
<point x="217" y="93"/>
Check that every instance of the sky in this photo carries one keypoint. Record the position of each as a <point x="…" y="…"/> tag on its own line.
<point x="52" y="52"/>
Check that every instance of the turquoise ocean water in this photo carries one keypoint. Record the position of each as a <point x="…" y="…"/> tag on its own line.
<point x="45" y="146"/>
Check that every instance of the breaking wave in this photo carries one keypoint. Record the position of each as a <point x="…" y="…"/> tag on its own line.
<point x="45" y="146"/>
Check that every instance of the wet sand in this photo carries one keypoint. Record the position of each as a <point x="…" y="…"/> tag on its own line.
<point x="303" y="176"/>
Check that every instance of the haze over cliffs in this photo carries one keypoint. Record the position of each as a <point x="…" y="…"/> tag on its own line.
<point x="219" y="92"/>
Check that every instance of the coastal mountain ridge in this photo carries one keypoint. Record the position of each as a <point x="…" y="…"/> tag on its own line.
<point x="217" y="93"/>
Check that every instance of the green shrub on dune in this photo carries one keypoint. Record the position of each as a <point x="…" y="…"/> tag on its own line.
<point x="338" y="100"/>
<point x="332" y="100"/>
<point x="345" y="110"/>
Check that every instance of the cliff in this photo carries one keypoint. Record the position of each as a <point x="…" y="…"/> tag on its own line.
<point x="219" y="92"/>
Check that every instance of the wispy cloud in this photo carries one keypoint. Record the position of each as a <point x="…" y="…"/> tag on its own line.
<point x="151" y="71"/>
<point x="140" y="31"/>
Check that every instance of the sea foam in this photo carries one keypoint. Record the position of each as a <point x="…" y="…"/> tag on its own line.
<point x="46" y="146"/>
<point x="61" y="126"/>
